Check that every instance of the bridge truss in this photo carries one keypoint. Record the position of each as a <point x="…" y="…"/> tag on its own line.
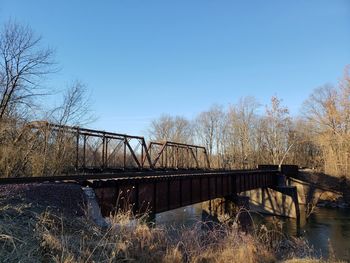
<point x="88" y="150"/>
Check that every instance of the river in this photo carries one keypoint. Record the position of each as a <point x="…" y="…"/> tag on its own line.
<point x="326" y="229"/>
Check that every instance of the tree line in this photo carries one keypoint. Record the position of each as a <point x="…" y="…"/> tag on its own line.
<point x="238" y="137"/>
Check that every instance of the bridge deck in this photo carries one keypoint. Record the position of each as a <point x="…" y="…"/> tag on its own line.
<point x="159" y="191"/>
<point x="163" y="192"/>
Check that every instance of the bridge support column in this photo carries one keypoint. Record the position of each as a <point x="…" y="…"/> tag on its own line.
<point x="239" y="205"/>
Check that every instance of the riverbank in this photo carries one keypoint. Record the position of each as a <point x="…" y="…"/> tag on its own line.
<point x="32" y="231"/>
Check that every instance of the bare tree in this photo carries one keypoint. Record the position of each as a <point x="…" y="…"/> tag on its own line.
<point x="276" y="128"/>
<point x="183" y="130"/>
<point x="209" y="128"/>
<point x="328" y="110"/>
<point x="23" y="64"/>
<point x="75" y="109"/>
<point x="168" y="128"/>
<point x="160" y="129"/>
<point x="243" y="123"/>
<point x="321" y="109"/>
<point x="304" y="151"/>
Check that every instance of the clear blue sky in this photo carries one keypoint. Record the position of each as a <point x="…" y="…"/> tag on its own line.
<point x="145" y="58"/>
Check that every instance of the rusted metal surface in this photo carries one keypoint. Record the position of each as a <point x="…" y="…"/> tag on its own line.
<point x="160" y="193"/>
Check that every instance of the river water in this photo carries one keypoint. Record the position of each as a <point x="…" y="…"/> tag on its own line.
<point x="326" y="229"/>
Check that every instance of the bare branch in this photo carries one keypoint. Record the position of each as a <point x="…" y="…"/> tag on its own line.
<point x="23" y="64"/>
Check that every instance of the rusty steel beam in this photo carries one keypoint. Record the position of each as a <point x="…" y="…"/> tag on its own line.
<point x="146" y="154"/>
<point x="162" y="193"/>
<point x="133" y="154"/>
<point x="164" y="145"/>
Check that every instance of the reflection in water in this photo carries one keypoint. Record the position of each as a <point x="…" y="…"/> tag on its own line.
<point x="327" y="227"/>
<point x="185" y="216"/>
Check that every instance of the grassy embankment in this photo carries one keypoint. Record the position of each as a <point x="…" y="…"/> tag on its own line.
<point x="33" y="232"/>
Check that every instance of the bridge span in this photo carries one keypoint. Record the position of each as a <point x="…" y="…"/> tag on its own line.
<point x="163" y="192"/>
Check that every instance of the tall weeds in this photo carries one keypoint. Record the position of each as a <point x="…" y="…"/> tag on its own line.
<point x="31" y="233"/>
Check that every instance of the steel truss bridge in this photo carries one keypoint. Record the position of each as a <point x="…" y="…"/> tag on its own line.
<point x="127" y="173"/>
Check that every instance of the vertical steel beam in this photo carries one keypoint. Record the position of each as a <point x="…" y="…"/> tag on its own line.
<point x="162" y="160"/>
<point x="166" y="157"/>
<point x="206" y="158"/>
<point x="142" y="161"/>
<point x="103" y="150"/>
<point x="195" y="158"/>
<point x="84" y="152"/>
<point x="177" y="157"/>
<point x="124" y="154"/>
<point x="188" y="157"/>
<point x="77" y="152"/>
<point x="106" y="154"/>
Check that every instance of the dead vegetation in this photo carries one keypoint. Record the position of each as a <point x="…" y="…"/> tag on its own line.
<point x="25" y="151"/>
<point x="31" y="232"/>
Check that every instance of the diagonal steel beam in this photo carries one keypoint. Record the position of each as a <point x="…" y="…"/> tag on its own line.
<point x="133" y="153"/>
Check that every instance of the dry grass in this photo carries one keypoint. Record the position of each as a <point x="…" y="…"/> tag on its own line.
<point x="31" y="233"/>
<point x="311" y="260"/>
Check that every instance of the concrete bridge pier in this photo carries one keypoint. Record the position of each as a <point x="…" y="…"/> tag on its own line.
<point x="279" y="200"/>
<point x="292" y="192"/>
<point x="93" y="208"/>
